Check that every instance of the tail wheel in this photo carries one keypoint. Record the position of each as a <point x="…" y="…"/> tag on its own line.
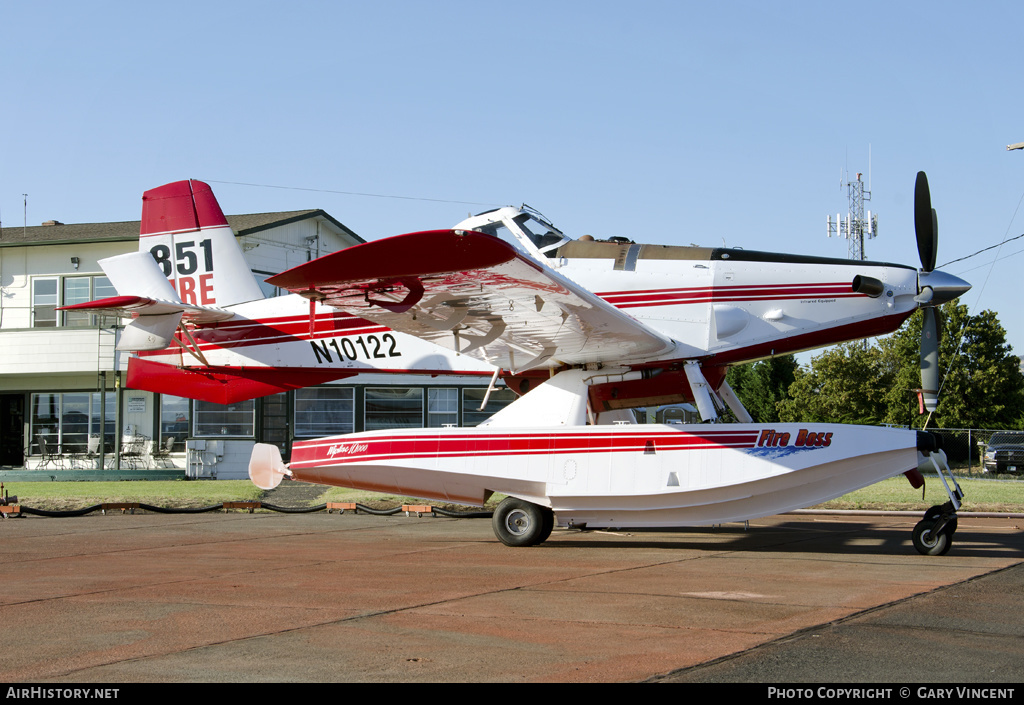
<point x="932" y="543"/>
<point x="517" y="522"/>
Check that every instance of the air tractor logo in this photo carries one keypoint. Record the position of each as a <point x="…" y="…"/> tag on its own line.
<point x="769" y="438"/>
<point x="346" y="449"/>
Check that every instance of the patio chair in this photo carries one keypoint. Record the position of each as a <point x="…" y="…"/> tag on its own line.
<point x="133" y="449"/>
<point x="162" y="453"/>
<point x="49" y="453"/>
<point x="88" y="458"/>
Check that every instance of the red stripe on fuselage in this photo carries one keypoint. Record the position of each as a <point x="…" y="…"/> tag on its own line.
<point x="711" y="294"/>
<point x="341" y="450"/>
<point x="245" y="333"/>
<point x="283" y="329"/>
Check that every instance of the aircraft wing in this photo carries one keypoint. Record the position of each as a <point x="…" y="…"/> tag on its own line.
<point x="475" y="294"/>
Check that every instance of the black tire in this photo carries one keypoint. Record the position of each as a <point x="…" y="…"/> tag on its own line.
<point x="933" y="515"/>
<point x="929" y="543"/>
<point x="517" y="522"/>
<point x="549" y="524"/>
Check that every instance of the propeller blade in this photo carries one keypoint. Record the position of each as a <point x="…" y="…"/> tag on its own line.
<point x="925" y="223"/>
<point x="930" y="359"/>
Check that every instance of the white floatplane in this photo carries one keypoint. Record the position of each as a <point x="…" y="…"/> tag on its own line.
<point x="583" y="330"/>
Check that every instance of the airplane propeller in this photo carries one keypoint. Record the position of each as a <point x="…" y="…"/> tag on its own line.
<point x="925" y="223"/>
<point x="927" y="228"/>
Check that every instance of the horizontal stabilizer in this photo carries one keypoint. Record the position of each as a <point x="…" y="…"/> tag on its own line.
<point x="138" y="273"/>
<point x="152" y="303"/>
<point x="141" y="306"/>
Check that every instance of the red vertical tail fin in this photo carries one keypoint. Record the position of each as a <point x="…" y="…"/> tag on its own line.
<point x="185" y="230"/>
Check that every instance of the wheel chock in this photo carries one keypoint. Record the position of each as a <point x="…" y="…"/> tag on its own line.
<point x="420" y="509"/>
<point x="123" y="506"/>
<point x="242" y="505"/>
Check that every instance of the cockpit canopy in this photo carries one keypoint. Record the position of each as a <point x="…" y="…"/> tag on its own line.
<point x="524" y="228"/>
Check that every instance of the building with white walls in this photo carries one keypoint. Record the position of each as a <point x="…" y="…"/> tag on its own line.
<point x="62" y="383"/>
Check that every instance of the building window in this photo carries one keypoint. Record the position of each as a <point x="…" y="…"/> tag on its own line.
<point x="472" y="398"/>
<point x="50" y="292"/>
<point x="235" y="420"/>
<point x="173" y="422"/>
<point x="269" y="290"/>
<point x="442" y="407"/>
<point x="324" y="411"/>
<point x="393" y="407"/>
<point x="44" y="302"/>
<point x="66" y="421"/>
<point x="78" y="290"/>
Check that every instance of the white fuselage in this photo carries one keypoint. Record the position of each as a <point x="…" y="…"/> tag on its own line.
<point x="735" y="310"/>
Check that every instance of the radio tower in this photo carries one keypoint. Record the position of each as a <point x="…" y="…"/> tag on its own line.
<point x="856" y="226"/>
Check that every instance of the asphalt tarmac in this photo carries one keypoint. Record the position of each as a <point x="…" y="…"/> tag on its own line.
<point x="234" y="597"/>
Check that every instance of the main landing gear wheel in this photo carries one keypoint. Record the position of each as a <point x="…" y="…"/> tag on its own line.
<point x="933" y="535"/>
<point x="517" y="522"/>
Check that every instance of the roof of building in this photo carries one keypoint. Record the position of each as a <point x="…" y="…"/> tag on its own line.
<point x="55" y="233"/>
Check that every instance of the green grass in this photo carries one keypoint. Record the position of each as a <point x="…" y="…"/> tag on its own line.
<point x="60" y="496"/>
<point x="896" y="494"/>
<point x="893" y="494"/>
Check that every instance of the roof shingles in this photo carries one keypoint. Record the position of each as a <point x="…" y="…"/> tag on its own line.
<point x="129" y="230"/>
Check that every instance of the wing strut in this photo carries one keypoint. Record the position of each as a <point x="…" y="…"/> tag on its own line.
<point x="490" y="388"/>
<point x="193" y="348"/>
<point x="730" y="398"/>
<point x="701" y="390"/>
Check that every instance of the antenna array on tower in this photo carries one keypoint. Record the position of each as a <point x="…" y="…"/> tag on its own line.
<point x="856" y="226"/>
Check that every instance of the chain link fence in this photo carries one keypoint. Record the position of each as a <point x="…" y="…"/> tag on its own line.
<point x="983" y="452"/>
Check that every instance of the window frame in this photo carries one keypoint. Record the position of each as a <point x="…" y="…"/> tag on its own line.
<point x="307" y="429"/>
<point x="368" y="425"/>
<point x="201" y="409"/>
<point x="66" y="319"/>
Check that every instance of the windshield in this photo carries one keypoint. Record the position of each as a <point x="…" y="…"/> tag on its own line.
<point x="499" y="230"/>
<point x="543" y="235"/>
<point x="1006" y="439"/>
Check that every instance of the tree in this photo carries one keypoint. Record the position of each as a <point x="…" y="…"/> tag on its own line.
<point x="982" y="385"/>
<point x="763" y="384"/>
<point x="981" y="382"/>
<point x="844" y="384"/>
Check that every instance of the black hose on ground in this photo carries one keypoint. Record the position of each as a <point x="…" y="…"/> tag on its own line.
<point x="271" y="507"/>
<point x="378" y="512"/>
<point x="180" y="510"/>
<point x="67" y="513"/>
<point x="293" y="510"/>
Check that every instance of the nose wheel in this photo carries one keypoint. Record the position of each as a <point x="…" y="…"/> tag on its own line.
<point x="933" y="535"/>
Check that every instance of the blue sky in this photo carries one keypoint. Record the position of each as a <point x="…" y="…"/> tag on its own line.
<point x="668" y="122"/>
